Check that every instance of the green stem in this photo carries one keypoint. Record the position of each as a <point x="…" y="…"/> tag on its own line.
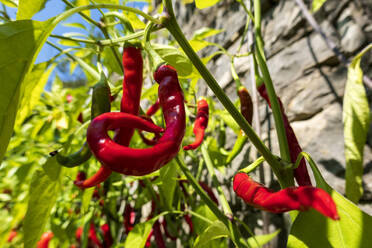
<point x="234" y="231"/>
<point x="171" y="24"/>
<point x="73" y="39"/>
<point x="260" y="56"/>
<point x="209" y="163"/>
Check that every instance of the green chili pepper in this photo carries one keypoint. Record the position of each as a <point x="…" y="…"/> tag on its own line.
<point x="100" y="104"/>
<point x="238" y="147"/>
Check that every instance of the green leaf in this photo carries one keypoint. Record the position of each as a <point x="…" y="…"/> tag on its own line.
<point x="201" y="225"/>
<point x="107" y="1"/>
<point x="168" y="175"/>
<point x="34" y="85"/>
<point x="10" y="3"/>
<point x="175" y="58"/>
<point x="86" y="198"/>
<point x="356" y="118"/>
<point x="82" y="3"/>
<point x="198" y="45"/>
<point x="16" y="60"/>
<point x="201" y="4"/>
<point x="134" y="20"/>
<point x="317" y="4"/>
<point x="226" y="117"/>
<point x="215" y="231"/>
<point x="138" y="236"/>
<point x="311" y="229"/>
<point x="43" y="193"/>
<point x="205" y="32"/>
<point x="258" y="241"/>
<point x="28" y="8"/>
<point x="74" y="25"/>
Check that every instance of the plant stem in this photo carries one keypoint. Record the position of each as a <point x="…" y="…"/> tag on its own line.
<point x="73" y="39"/>
<point x="235" y="234"/>
<point x="279" y="124"/>
<point x="171" y="24"/>
<point x="209" y="163"/>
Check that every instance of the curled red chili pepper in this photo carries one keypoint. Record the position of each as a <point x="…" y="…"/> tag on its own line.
<point x="201" y="123"/>
<point x="44" y="240"/>
<point x="300" y="173"/>
<point x="153" y="108"/>
<point x="139" y="162"/>
<point x="294" y="198"/>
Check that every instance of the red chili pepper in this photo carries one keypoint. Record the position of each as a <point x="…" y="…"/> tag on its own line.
<point x="44" y="240"/>
<point x="201" y="123"/>
<point x="294" y="198"/>
<point x="132" y="86"/>
<point x="189" y="222"/>
<point x="153" y="108"/>
<point x="107" y="237"/>
<point x="164" y="224"/>
<point x="300" y="173"/>
<point x="12" y="235"/>
<point x="246" y="104"/>
<point x="129" y="218"/>
<point x="139" y="162"/>
<point x="158" y="235"/>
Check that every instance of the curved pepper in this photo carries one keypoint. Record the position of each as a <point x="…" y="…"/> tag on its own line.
<point x="44" y="240"/>
<point x="132" y="86"/>
<point x="147" y="141"/>
<point x="139" y="162"/>
<point x="294" y="198"/>
<point x="300" y="173"/>
<point x="237" y="148"/>
<point x="201" y="123"/>
<point x="116" y="156"/>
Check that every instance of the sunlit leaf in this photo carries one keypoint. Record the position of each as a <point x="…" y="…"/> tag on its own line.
<point x="44" y="190"/>
<point x="82" y="3"/>
<point x="260" y="240"/>
<point x="201" y="4"/>
<point x="356" y="118"/>
<point x="16" y="61"/>
<point x="36" y="81"/>
<point x="10" y="3"/>
<point x="174" y="57"/>
<point x="138" y="236"/>
<point x="168" y="175"/>
<point x="28" y="8"/>
<point x="74" y="25"/>
<point x="205" y="32"/>
<point x="198" y="45"/>
<point x="215" y="231"/>
<point x="311" y="229"/>
<point x="134" y="20"/>
<point x="317" y="4"/>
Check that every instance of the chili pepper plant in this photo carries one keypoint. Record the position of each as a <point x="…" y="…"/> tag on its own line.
<point x="123" y="148"/>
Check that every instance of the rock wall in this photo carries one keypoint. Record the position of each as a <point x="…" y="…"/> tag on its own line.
<point x="307" y="74"/>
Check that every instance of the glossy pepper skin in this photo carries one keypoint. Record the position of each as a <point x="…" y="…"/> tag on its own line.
<point x="294" y="198"/>
<point x="132" y="86"/>
<point x="44" y="240"/>
<point x="201" y="123"/>
<point x="108" y="152"/>
<point x="130" y="103"/>
<point x="300" y="173"/>
<point x="139" y="162"/>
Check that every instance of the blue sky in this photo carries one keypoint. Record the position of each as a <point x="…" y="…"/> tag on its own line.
<point x="53" y="8"/>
